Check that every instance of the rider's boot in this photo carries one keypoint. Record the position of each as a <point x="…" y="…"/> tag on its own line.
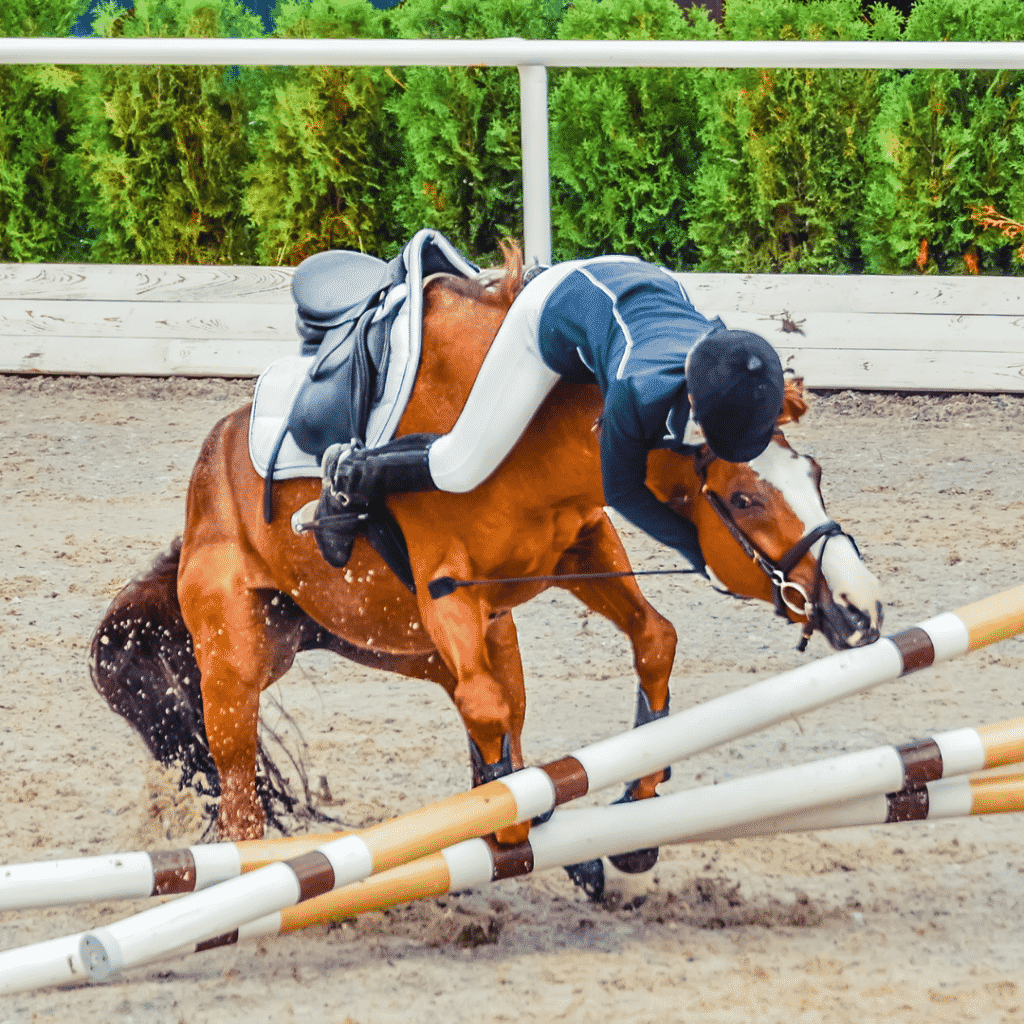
<point x="354" y="477"/>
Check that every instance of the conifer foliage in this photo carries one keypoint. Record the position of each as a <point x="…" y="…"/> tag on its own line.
<point x="945" y="147"/>
<point x="323" y="147"/>
<point x="460" y="126"/>
<point x="162" y="149"/>
<point x="625" y="141"/>
<point x="41" y="218"/>
<point x="783" y="175"/>
<point x="730" y="169"/>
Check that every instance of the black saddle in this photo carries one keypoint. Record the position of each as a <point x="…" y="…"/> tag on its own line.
<point x="346" y="307"/>
<point x="340" y="320"/>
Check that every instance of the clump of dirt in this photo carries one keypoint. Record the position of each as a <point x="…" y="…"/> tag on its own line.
<point x="168" y="813"/>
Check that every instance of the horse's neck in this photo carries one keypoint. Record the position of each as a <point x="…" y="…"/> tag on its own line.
<point x="457" y="333"/>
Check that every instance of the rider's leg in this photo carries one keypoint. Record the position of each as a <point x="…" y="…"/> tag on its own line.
<point x="512" y="384"/>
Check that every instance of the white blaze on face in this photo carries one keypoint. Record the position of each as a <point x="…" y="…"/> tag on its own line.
<point x="847" y="576"/>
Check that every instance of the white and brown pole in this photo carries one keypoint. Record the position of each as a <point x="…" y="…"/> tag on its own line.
<point x="526" y="794"/>
<point x="958" y="797"/>
<point x="861" y="785"/>
<point x="572" y="836"/>
<point x="131" y="875"/>
<point x="147" y="873"/>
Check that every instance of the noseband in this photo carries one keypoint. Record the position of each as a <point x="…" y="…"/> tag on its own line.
<point x="777" y="571"/>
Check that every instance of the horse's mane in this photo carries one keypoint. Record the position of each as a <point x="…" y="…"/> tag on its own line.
<point x="794" y="405"/>
<point x="497" y="286"/>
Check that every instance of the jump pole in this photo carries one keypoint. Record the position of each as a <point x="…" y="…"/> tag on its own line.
<point x="166" y="872"/>
<point x="525" y="794"/>
<point x="137" y="875"/>
<point x="576" y="835"/>
<point x="144" y="873"/>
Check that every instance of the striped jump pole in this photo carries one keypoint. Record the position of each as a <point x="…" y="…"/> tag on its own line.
<point x="133" y="875"/>
<point x="958" y="797"/>
<point x="525" y="794"/>
<point x="175" y="872"/>
<point x="856" y="782"/>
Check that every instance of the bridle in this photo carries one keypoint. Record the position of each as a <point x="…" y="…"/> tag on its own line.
<point x="777" y="571"/>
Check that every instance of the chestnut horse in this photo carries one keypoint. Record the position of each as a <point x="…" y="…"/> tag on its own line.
<point x="227" y="611"/>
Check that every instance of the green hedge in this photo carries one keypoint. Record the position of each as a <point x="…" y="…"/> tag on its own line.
<point x="459" y="127"/>
<point x="162" y="150"/>
<point x="945" y="143"/>
<point x="625" y="146"/>
<point x="741" y="170"/>
<point x="41" y="217"/>
<point x="320" y="139"/>
<point x="784" y="170"/>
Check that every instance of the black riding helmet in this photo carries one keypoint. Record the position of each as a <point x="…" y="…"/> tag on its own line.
<point x="735" y="381"/>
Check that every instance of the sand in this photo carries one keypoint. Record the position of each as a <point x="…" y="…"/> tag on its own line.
<point x="917" y="922"/>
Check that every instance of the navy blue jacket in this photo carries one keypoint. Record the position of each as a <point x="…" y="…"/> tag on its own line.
<point x="628" y="325"/>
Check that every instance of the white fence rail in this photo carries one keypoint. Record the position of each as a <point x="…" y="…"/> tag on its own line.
<point x="513" y="52"/>
<point x="531" y="57"/>
<point x="865" y="332"/>
<point x="876" y="333"/>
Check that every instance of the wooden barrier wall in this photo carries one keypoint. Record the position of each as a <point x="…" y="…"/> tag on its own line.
<point x="144" y="320"/>
<point x="872" y="333"/>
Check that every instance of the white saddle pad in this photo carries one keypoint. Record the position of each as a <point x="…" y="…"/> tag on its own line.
<point x="280" y="382"/>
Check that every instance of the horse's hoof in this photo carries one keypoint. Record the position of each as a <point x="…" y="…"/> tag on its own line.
<point x="588" y="876"/>
<point x="637" y="862"/>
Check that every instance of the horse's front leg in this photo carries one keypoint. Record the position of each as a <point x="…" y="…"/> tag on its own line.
<point x="482" y="650"/>
<point x="619" y="600"/>
<point x="237" y="661"/>
<point x="654" y="644"/>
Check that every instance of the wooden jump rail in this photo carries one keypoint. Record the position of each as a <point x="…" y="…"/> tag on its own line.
<point x="913" y="333"/>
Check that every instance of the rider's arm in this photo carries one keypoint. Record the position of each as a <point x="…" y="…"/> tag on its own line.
<point x="624" y="448"/>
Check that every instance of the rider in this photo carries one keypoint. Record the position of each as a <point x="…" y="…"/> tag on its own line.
<point x="669" y="376"/>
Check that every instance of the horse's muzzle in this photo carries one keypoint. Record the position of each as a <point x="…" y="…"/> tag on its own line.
<point x="845" y="626"/>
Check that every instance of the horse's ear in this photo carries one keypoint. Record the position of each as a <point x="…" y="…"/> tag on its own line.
<point x="793" y="403"/>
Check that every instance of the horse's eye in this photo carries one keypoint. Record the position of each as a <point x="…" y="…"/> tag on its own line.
<point x="741" y="500"/>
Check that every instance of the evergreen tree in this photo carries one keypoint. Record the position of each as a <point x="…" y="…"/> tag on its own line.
<point x="41" y="216"/>
<point x="783" y="177"/>
<point x="325" y="149"/>
<point x="163" y="151"/>
<point x="624" y="141"/>
<point x="461" y="164"/>
<point x="947" y="151"/>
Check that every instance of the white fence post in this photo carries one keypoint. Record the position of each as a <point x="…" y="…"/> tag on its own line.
<point x="533" y="109"/>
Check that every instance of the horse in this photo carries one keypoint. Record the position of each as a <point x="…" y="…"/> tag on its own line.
<point x="192" y="645"/>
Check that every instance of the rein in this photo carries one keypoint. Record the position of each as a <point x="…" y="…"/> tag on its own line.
<point x="444" y="586"/>
<point x="776" y="571"/>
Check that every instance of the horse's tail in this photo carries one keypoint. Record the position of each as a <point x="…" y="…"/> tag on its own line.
<point x="142" y="663"/>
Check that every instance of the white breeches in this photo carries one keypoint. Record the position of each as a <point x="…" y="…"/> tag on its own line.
<point x="509" y="389"/>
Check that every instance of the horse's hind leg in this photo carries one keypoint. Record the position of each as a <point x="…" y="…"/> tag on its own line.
<point x="239" y="654"/>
